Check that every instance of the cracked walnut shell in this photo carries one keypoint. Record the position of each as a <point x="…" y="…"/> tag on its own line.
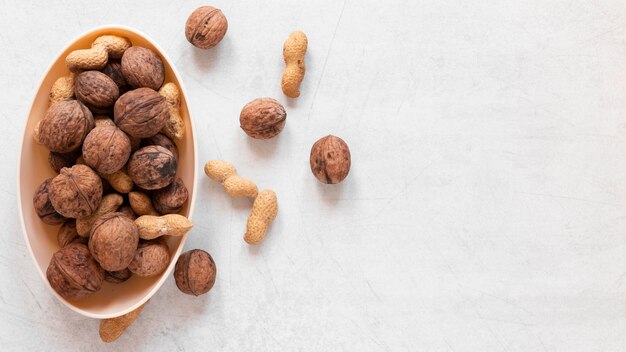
<point x="76" y="192"/>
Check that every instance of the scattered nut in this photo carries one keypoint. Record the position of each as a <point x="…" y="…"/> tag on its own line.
<point x="96" y="89"/>
<point x="106" y="149"/>
<point x="195" y="272"/>
<point x="65" y="126"/>
<point x="263" y="118"/>
<point x="113" y="241"/>
<point x="293" y="52"/>
<point x="175" y="126"/>
<point x="151" y="227"/>
<point x="76" y="192"/>
<point x="206" y="27"/>
<point x="73" y="273"/>
<point x="141" y="67"/>
<point x="112" y="329"/>
<point x="263" y="213"/>
<point x="141" y="204"/>
<point x="151" y="258"/>
<point x="152" y="167"/>
<point x="141" y="112"/>
<point x="170" y="200"/>
<point x="43" y="206"/>
<point x="225" y="173"/>
<point x="330" y="159"/>
<point x="117" y="277"/>
<point x="108" y="204"/>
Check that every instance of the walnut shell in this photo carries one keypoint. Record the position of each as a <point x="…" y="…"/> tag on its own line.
<point x="113" y="241"/>
<point x="67" y="234"/>
<point x="60" y="160"/>
<point x="65" y="126"/>
<point x="206" y="27"/>
<point x="117" y="277"/>
<point x="152" y="167"/>
<point x="170" y="200"/>
<point x="141" y="112"/>
<point x="151" y="258"/>
<point x="96" y="89"/>
<point x="43" y="205"/>
<point x="113" y="69"/>
<point x="128" y="211"/>
<point x="263" y="118"/>
<point x="106" y="149"/>
<point x="330" y="159"/>
<point x="73" y="273"/>
<point x="76" y="192"/>
<point x="141" y="67"/>
<point x="195" y="272"/>
<point x="161" y="140"/>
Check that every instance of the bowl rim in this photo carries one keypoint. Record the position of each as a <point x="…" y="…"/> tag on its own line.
<point x="166" y="274"/>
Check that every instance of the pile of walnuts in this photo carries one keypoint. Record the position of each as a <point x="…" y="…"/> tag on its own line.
<point x="111" y="136"/>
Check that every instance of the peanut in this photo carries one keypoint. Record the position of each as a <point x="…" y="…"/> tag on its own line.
<point x="263" y="213"/>
<point x="151" y="227"/>
<point x="108" y="204"/>
<point x="175" y="126"/>
<point x="97" y="56"/>
<point x="141" y="204"/>
<point x="225" y="173"/>
<point x="62" y="89"/>
<point x="120" y="181"/>
<point x="293" y="52"/>
<point x="36" y="132"/>
<point x="112" y="329"/>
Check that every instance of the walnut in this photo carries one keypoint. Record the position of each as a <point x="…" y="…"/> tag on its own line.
<point x="170" y="200"/>
<point x="262" y="118"/>
<point x="106" y="149"/>
<point x="161" y="140"/>
<point x="43" y="206"/>
<point x="113" y="241"/>
<point x="96" y="89"/>
<point x="195" y="272"/>
<point x="152" y="167"/>
<point x="113" y="69"/>
<point x="128" y="211"/>
<point x="141" y="112"/>
<point x="67" y="234"/>
<point x="60" y="160"/>
<point x="151" y="258"/>
<point x="206" y="27"/>
<point x="330" y="159"/>
<point x="141" y="67"/>
<point x="65" y="126"/>
<point x="73" y="273"/>
<point x="76" y="192"/>
<point x="117" y="277"/>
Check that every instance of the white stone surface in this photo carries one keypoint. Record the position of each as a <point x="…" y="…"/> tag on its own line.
<point x="485" y="210"/>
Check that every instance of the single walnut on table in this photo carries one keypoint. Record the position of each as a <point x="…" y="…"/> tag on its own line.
<point x="330" y="159"/>
<point x="206" y="27"/>
<point x="195" y="272"/>
<point x="263" y="118"/>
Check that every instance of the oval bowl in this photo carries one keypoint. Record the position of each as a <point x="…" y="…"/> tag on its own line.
<point x="114" y="299"/>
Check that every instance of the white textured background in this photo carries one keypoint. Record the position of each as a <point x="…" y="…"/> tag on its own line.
<point x="486" y="206"/>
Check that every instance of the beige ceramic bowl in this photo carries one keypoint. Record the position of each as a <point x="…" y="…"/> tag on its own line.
<point x="113" y="300"/>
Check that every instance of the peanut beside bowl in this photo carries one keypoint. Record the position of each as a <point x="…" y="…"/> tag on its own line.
<point x="112" y="301"/>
